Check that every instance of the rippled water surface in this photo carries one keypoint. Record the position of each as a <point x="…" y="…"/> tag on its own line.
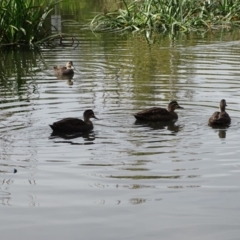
<point x="123" y="180"/>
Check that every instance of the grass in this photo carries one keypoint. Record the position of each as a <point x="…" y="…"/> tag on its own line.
<point x="22" y="21"/>
<point x="170" y="16"/>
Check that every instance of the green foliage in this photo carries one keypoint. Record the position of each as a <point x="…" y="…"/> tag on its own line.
<point x="21" y="21"/>
<point x="170" y="15"/>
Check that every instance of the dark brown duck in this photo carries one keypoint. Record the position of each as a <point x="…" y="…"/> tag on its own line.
<point x="64" y="70"/>
<point x="159" y="114"/>
<point x="220" y="118"/>
<point x="74" y="125"/>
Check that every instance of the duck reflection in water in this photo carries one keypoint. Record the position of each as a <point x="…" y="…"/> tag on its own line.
<point x="222" y="133"/>
<point x="222" y="130"/>
<point x="88" y="137"/>
<point x="159" y="125"/>
<point x="69" y="80"/>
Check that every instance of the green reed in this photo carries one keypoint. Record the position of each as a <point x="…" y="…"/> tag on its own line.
<point x="21" y="21"/>
<point x="170" y="15"/>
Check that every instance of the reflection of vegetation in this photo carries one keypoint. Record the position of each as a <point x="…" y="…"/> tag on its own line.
<point x="138" y="186"/>
<point x="139" y="177"/>
<point x="137" y="200"/>
<point x="138" y="162"/>
<point x="99" y="165"/>
<point x="15" y="79"/>
<point x="170" y="15"/>
<point x="151" y="64"/>
<point x="86" y="9"/>
<point x="21" y="21"/>
<point x="136" y="169"/>
<point x="179" y="187"/>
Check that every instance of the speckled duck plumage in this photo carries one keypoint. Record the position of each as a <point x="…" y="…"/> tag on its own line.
<point x="64" y="70"/>
<point x="220" y="118"/>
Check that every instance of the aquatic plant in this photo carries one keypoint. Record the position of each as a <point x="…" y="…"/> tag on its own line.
<point x="170" y="16"/>
<point x="21" y="21"/>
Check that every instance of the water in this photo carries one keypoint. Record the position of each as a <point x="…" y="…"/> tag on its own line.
<point x="123" y="180"/>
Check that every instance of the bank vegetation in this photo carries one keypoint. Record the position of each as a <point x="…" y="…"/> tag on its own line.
<point x="170" y="16"/>
<point x="22" y="21"/>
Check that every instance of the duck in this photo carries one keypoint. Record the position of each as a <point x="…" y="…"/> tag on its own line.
<point x="220" y="118"/>
<point x="75" y="125"/>
<point x="64" y="70"/>
<point x="159" y="114"/>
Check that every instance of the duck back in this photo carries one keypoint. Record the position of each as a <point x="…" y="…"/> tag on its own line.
<point x="219" y="118"/>
<point x="156" y="114"/>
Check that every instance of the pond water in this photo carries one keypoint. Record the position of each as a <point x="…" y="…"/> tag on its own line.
<point x="123" y="180"/>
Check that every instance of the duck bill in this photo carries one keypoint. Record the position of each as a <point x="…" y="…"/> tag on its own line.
<point x="179" y="107"/>
<point x="95" y="117"/>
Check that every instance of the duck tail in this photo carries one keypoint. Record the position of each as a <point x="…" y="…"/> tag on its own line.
<point x="53" y="127"/>
<point x="140" y="118"/>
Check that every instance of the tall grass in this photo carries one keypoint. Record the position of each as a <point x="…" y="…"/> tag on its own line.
<point x="170" y="15"/>
<point x="21" y="21"/>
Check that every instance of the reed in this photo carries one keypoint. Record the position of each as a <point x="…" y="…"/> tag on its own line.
<point x="170" y="16"/>
<point x="21" y="21"/>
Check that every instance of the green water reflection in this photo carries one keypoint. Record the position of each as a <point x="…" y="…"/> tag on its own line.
<point x="151" y="68"/>
<point x="17" y="70"/>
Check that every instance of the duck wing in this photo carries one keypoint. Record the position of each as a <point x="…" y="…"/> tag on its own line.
<point x="69" y="125"/>
<point x="153" y="114"/>
<point x="67" y="71"/>
<point x="213" y="118"/>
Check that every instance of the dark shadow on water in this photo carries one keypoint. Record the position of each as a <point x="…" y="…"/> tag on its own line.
<point x="88" y="137"/>
<point x="159" y="125"/>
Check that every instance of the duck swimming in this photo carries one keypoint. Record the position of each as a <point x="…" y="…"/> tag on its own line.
<point x="220" y="118"/>
<point x="74" y="125"/>
<point x="64" y="70"/>
<point x="159" y="114"/>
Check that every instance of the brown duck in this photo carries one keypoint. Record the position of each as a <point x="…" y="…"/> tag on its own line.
<point x="159" y="114"/>
<point x="64" y="70"/>
<point x="74" y="125"/>
<point x="220" y="118"/>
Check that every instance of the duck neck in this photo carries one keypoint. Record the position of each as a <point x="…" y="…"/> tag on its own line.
<point x="171" y="110"/>
<point x="222" y="109"/>
<point x="86" y="119"/>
